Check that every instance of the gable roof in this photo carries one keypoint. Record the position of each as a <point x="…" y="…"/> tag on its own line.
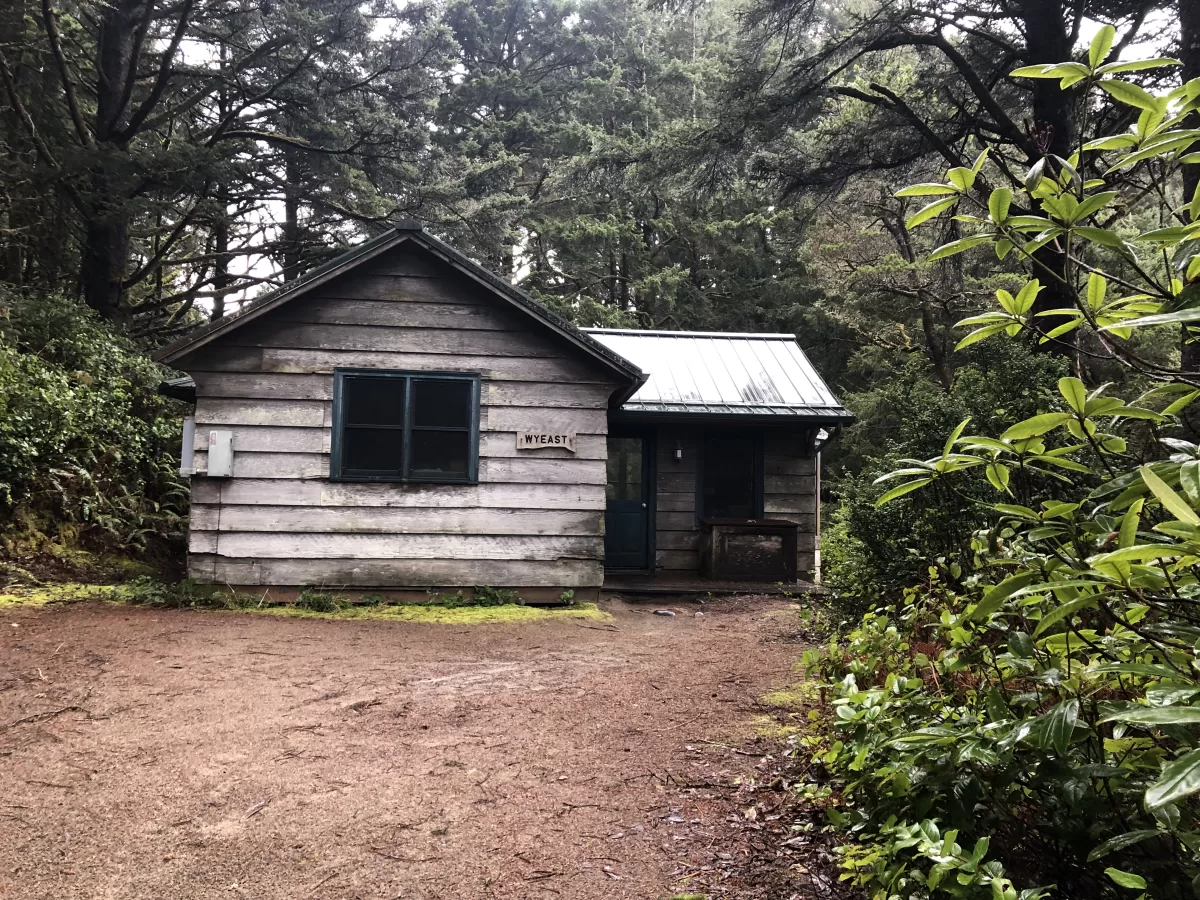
<point x="716" y="374"/>
<point x="410" y="231"/>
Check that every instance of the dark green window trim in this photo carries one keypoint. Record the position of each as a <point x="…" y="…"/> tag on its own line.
<point x="406" y="379"/>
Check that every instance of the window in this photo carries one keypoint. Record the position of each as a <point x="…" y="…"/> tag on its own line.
<point x="731" y="481"/>
<point x="400" y="426"/>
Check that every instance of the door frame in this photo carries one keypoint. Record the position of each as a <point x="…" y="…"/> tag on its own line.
<point x="649" y="436"/>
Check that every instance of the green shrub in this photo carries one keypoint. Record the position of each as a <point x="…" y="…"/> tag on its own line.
<point x="870" y="552"/>
<point x="318" y="601"/>
<point x="147" y="591"/>
<point x="480" y="596"/>
<point x="88" y="450"/>
<point x="1032" y="724"/>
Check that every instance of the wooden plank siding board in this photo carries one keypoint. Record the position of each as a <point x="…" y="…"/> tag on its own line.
<point x="323" y="493"/>
<point x="465" y="316"/>
<point x="684" y="502"/>
<point x="547" y="419"/>
<point x="518" y="470"/>
<point x="535" y="519"/>
<point x="297" y="413"/>
<point x="294" y="545"/>
<point x="384" y="573"/>
<point x="790" y="487"/>
<point x="678" y="540"/>
<point x="294" y="386"/>
<point x="275" y="439"/>
<point x="390" y="520"/>
<point x="306" y="361"/>
<point x="679" y="560"/>
<point x="270" y="334"/>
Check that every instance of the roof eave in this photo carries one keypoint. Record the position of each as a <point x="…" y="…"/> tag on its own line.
<point x="466" y="266"/>
<point x="834" y="417"/>
<point x="210" y="331"/>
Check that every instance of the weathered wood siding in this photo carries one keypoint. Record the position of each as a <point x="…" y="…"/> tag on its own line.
<point x="789" y="493"/>
<point x="535" y="519"/>
<point x="677" y="523"/>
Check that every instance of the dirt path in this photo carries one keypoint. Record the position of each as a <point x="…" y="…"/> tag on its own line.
<point x="150" y="753"/>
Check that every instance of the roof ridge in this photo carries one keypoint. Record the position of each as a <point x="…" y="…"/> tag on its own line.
<point x="408" y="229"/>
<point x="750" y="335"/>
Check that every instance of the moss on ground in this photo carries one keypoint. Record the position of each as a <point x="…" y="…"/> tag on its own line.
<point x="790" y="698"/>
<point x="786" y="709"/>
<point x="442" y="615"/>
<point x="57" y="593"/>
<point x="423" y="613"/>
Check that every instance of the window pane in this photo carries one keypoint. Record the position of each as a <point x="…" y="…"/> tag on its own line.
<point x="729" y="478"/>
<point x="376" y="450"/>
<point x="442" y="403"/>
<point x="373" y="401"/>
<point x="439" y="452"/>
<point x="624" y="468"/>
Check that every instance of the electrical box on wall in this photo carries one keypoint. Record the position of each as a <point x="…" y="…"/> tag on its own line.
<point x="220" y="454"/>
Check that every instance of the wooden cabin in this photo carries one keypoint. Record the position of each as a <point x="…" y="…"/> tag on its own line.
<point x="402" y="420"/>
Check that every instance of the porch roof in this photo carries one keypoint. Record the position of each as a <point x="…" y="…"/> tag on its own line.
<point x="718" y="374"/>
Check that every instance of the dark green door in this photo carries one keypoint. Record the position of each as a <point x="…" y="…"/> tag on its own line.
<point x="627" y="510"/>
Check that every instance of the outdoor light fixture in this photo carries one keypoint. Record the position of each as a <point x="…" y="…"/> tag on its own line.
<point x="678" y="451"/>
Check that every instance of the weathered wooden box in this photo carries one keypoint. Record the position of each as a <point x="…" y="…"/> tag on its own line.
<point x="748" y="550"/>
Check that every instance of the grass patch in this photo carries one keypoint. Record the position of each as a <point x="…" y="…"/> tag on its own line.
<point x="510" y="613"/>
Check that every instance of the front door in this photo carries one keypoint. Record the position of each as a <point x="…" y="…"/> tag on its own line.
<point x="627" y="510"/>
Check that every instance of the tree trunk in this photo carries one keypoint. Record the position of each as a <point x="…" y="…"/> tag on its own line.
<point x="1054" y="131"/>
<point x="105" y="248"/>
<point x="291" y="219"/>
<point x="106" y="234"/>
<point x="221" y="279"/>
<point x="1189" y="29"/>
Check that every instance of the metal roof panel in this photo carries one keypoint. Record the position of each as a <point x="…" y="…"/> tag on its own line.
<point x="711" y="373"/>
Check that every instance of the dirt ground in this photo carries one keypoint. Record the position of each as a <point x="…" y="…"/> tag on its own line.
<point x="171" y="753"/>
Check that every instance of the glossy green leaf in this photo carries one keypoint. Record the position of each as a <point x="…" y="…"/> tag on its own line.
<point x="1059" y="725"/>
<point x="1101" y="45"/>
<point x="934" y="209"/>
<point x="1180" y="778"/>
<point x="927" y="190"/>
<point x="1156" y="715"/>
<point x="900" y="490"/>
<point x="1035" y="426"/>
<point x="995" y="596"/>
<point x="1121" y="842"/>
<point x="1131" y="94"/>
<point x="960" y="246"/>
<point x="1171" y="501"/>
<point x="1138" y="65"/>
<point x="1125" y="879"/>
<point x="1074" y="393"/>
<point x="979" y="334"/>
<point x="1097" y="289"/>
<point x="999" y="204"/>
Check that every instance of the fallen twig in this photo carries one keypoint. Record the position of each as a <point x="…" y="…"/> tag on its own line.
<point x="50" y="714"/>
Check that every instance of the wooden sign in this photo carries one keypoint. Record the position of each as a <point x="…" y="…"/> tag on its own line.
<point x="541" y="440"/>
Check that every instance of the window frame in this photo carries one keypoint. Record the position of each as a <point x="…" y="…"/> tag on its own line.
<point x="758" y="442"/>
<point x="337" y="438"/>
